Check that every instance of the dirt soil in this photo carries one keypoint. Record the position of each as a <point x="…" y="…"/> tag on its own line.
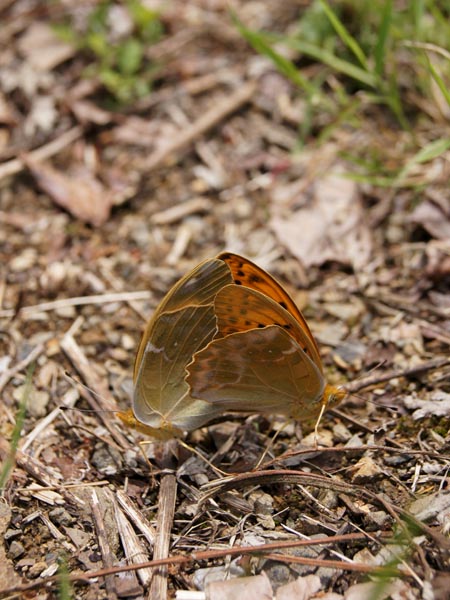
<point x="101" y="212"/>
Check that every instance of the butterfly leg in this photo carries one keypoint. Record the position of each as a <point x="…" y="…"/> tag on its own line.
<point x="316" y="426"/>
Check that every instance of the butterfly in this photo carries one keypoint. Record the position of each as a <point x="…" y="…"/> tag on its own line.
<point x="226" y="337"/>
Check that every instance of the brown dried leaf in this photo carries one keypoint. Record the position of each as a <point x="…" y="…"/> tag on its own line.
<point x="143" y="132"/>
<point x="88" y="112"/>
<point x="366" y="469"/>
<point x="80" y="193"/>
<point x="330" y="228"/>
<point x="433" y="218"/>
<point x="42" y="48"/>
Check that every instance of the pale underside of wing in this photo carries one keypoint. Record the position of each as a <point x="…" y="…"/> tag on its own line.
<point x="162" y="397"/>
<point x="197" y="288"/>
<point x="240" y="308"/>
<point x="261" y="370"/>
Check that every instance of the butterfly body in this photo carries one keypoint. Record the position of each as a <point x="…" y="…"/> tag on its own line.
<point x="227" y="337"/>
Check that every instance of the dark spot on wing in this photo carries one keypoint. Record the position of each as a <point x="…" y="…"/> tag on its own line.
<point x="283" y="304"/>
<point x="255" y="279"/>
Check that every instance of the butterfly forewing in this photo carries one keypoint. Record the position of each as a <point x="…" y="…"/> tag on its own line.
<point x="240" y="308"/>
<point x="261" y="370"/>
<point x="246" y="273"/>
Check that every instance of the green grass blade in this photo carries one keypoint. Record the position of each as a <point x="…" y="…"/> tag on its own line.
<point x="345" y="35"/>
<point x="438" y="80"/>
<point x="429" y="152"/>
<point x="338" y="64"/>
<point x="64" y="587"/>
<point x="383" y="36"/>
<point x="417" y="12"/>
<point x="10" y="460"/>
<point x="284" y="65"/>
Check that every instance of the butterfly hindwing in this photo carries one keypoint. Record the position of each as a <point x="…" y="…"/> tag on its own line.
<point x="260" y="370"/>
<point x="182" y="324"/>
<point x="197" y="288"/>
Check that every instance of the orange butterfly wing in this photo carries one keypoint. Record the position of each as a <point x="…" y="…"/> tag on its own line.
<point x="246" y="273"/>
<point x="239" y="308"/>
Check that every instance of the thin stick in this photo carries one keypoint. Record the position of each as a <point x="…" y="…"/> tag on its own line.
<point x="44" y="474"/>
<point x="78" y="301"/>
<point x="104" y="402"/>
<point x="194" y="557"/>
<point x="203" y="124"/>
<point x="147" y="530"/>
<point x="107" y="556"/>
<point x="20" y="366"/>
<point x="12" y="167"/>
<point x="166" y="510"/>
<point x="132" y="546"/>
<point x="428" y="365"/>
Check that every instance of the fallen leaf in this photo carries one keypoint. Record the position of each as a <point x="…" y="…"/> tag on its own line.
<point x="433" y="218"/>
<point x="366" y="469"/>
<point x="88" y="112"/>
<point x="330" y="227"/>
<point x="437" y="406"/>
<point x="302" y="588"/>
<point x="143" y="132"/>
<point x="43" y="116"/>
<point x="80" y="193"/>
<point x="431" y="506"/>
<point x="42" y="48"/>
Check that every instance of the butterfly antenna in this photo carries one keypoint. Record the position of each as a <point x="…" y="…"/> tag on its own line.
<point x="79" y="383"/>
<point x="216" y="470"/>
<point x="269" y="446"/>
<point x="76" y="381"/>
<point x="375" y="367"/>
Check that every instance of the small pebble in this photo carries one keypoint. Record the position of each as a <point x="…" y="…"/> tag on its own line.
<point x="60" y="516"/>
<point x="36" y="569"/>
<point x="16" y="550"/>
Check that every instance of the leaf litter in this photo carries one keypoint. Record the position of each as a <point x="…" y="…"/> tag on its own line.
<point x="122" y="202"/>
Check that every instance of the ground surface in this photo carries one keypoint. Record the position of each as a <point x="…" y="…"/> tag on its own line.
<point x="115" y="206"/>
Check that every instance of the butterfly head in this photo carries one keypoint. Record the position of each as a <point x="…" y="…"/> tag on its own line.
<point x="332" y="395"/>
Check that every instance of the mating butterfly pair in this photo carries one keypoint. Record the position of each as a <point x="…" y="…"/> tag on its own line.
<point x="226" y="337"/>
